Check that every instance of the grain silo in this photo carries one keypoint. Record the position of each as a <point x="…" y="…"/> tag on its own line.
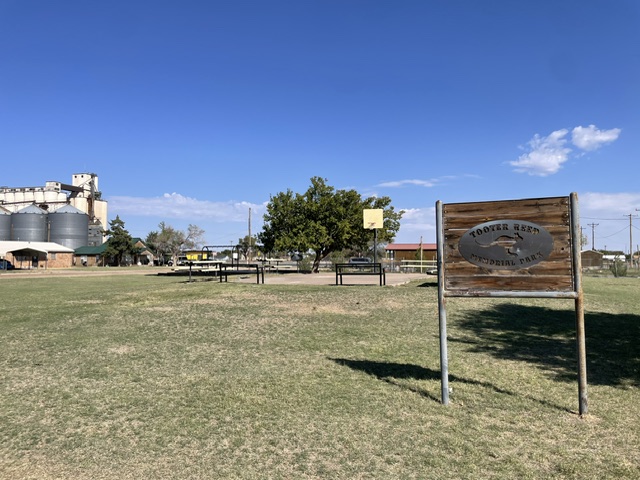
<point x="69" y="226"/>
<point x="96" y="233"/>
<point x="29" y="225"/>
<point x="5" y="224"/>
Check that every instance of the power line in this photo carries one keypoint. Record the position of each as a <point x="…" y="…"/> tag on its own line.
<point x="619" y="231"/>
<point x="604" y="219"/>
<point x="631" y="215"/>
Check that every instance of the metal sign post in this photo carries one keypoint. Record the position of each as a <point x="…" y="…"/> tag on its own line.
<point x="515" y="249"/>
<point x="442" y="310"/>
<point x="579" y="305"/>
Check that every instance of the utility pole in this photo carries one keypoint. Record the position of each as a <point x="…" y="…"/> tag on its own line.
<point x="593" y="234"/>
<point x="631" y="243"/>
<point x="631" y="215"/>
<point x="249" y="251"/>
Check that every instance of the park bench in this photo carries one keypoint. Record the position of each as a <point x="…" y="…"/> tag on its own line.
<point x="226" y="270"/>
<point x="375" y="269"/>
<point x="221" y="270"/>
<point x="278" y="265"/>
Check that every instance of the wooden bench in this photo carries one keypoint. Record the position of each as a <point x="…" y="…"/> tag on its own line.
<point x="360" y="269"/>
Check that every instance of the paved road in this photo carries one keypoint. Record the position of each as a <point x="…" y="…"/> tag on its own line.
<point x="328" y="278"/>
<point x="324" y="278"/>
<point x="83" y="272"/>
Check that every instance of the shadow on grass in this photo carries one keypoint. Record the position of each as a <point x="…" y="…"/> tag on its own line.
<point x="392" y="373"/>
<point x="545" y="337"/>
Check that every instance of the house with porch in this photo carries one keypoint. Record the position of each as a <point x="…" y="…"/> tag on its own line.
<point x="36" y="255"/>
<point x="95" y="256"/>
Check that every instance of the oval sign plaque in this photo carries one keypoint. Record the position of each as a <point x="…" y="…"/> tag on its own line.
<point x="506" y="244"/>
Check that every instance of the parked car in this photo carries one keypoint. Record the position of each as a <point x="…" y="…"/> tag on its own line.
<point x="6" y="265"/>
<point x="359" y="260"/>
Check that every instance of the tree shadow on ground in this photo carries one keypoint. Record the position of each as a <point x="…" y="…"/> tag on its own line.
<point x="393" y="374"/>
<point x="546" y="338"/>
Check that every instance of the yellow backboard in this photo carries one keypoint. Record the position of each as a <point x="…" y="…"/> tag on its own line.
<point x="372" y="218"/>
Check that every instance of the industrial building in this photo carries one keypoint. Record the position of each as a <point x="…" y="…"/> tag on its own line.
<point x="35" y="222"/>
<point x="72" y="215"/>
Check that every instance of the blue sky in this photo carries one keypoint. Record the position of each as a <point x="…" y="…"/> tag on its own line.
<point x="194" y="112"/>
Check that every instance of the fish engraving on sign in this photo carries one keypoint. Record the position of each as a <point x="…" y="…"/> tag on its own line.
<point x="506" y="244"/>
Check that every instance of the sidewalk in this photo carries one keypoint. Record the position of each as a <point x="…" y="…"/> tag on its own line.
<point x="329" y="278"/>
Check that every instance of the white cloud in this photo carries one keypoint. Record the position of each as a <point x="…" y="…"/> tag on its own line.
<point x="590" y="138"/>
<point x="402" y="183"/>
<point x="417" y="214"/>
<point x="546" y="156"/>
<point x="432" y="182"/>
<point x="175" y="205"/>
<point x="608" y="204"/>
<point x="417" y="222"/>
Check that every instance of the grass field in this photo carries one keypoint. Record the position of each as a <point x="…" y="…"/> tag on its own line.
<point x="144" y="377"/>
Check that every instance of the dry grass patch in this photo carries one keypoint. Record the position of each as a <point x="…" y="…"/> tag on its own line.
<point x="154" y="378"/>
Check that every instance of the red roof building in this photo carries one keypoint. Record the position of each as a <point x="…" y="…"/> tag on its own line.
<point x="411" y="251"/>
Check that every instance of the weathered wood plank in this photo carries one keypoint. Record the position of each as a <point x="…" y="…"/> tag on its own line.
<point x="543" y="268"/>
<point x="523" y="283"/>
<point x="534" y="205"/>
<point x="554" y="273"/>
<point x="453" y="256"/>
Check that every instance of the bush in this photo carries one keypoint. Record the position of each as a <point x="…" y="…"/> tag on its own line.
<point x="338" y="257"/>
<point x="305" y="264"/>
<point x="618" y="268"/>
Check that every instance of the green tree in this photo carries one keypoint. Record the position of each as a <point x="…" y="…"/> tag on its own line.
<point x="194" y="238"/>
<point x="169" y="241"/>
<point x="323" y="220"/>
<point x="247" y="243"/>
<point x="151" y="241"/>
<point x="120" y="243"/>
<point x="391" y="224"/>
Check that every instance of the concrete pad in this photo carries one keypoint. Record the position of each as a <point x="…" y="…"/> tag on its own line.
<point x="328" y="278"/>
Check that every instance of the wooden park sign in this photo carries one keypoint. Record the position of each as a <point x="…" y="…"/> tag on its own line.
<point x="515" y="248"/>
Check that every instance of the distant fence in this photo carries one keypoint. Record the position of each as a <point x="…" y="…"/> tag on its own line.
<point x="418" y="266"/>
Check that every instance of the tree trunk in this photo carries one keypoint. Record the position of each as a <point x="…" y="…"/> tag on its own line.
<point x="320" y="255"/>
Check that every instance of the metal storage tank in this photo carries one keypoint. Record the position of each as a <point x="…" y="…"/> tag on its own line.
<point x="69" y="226"/>
<point x="5" y="224"/>
<point x="29" y="224"/>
